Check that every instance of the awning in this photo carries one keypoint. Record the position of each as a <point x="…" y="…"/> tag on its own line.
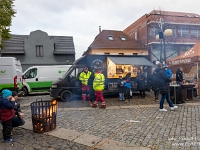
<point x="137" y="61"/>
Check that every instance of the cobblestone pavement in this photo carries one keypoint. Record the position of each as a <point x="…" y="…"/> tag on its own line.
<point x="137" y="122"/>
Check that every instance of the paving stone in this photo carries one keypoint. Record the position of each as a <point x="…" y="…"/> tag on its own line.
<point x="76" y="120"/>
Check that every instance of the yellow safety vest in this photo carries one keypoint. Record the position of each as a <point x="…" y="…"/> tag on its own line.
<point x="98" y="82"/>
<point x="84" y="77"/>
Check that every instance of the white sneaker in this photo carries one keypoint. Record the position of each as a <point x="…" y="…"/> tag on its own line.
<point x="175" y="107"/>
<point x="163" y="109"/>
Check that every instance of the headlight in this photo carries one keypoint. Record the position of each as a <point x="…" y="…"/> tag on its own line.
<point x="53" y="86"/>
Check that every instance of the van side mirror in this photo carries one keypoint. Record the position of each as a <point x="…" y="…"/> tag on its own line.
<point x="24" y="76"/>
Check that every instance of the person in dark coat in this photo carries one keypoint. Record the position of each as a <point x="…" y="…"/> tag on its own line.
<point x="18" y="118"/>
<point x="179" y="81"/>
<point x="121" y="89"/>
<point x="7" y="103"/>
<point x="154" y="86"/>
<point x="179" y="75"/>
<point x="163" y="84"/>
<point x="141" y="82"/>
<point x="91" y="92"/>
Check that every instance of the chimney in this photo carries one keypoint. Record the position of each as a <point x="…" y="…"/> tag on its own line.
<point x="99" y="29"/>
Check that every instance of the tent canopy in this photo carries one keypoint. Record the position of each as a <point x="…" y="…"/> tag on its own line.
<point x="186" y="60"/>
<point x="190" y="56"/>
<point x="131" y="61"/>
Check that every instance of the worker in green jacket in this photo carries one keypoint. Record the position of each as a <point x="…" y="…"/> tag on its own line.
<point x="84" y="77"/>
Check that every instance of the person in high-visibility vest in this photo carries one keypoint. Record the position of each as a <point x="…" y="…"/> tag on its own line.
<point x="84" y="77"/>
<point x="98" y="86"/>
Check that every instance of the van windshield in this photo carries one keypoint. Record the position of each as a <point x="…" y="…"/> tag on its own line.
<point x="73" y="72"/>
<point x="68" y="71"/>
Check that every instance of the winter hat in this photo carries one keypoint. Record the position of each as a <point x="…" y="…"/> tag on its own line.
<point x="6" y="93"/>
<point x="99" y="71"/>
<point x="165" y="66"/>
<point x="14" y="93"/>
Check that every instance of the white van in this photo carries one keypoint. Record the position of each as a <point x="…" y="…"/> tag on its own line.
<point x="40" y="78"/>
<point x="10" y="74"/>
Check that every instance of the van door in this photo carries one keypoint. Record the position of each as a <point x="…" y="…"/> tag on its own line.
<point x="74" y="81"/>
<point x="31" y="79"/>
<point x="19" y="73"/>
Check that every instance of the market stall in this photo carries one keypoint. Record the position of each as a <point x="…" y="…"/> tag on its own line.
<point x="190" y="63"/>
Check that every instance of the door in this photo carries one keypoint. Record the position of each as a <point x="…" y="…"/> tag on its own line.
<point x="31" y="80"/>
<point x="74" y="81"/>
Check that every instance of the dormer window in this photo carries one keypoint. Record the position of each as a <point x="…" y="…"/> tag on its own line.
<point x="123" y="38"/>
<point x="188" y="15"/>
<point x="110" y="37"/>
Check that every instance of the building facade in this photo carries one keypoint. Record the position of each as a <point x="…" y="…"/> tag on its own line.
<point x="40" y="49"/>
<point x="111" y="42"/>
<point x="185" y="33"/>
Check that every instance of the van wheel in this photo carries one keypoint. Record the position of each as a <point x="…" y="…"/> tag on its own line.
<point x="66" y="95"/>
<point x="24" y="91"/>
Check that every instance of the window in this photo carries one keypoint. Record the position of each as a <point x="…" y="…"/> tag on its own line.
<point x="110" y="37"/>
<point x="153" y="31"/>
<point x="134" y="53"/>
<point x="135" y="35"/>
<point x="198" y="32"/>
<point x="193" y="32"/>
<point x="183" y="31"/>
<point x="31" y="73"/>
<point x="107" y="53"/>
<point x="39" y="51"/>
<point x="123" y="38"/>
<point x="173" y="30"/>
<point x="121" y="53"/>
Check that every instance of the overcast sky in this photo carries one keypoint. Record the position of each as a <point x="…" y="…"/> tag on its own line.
<point x="82" y="18"/>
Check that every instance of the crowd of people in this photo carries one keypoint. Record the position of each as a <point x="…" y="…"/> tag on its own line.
<point x="160" y="81"/>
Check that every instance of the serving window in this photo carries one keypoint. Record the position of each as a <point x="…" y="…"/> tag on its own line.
<point x="116" y="70"/>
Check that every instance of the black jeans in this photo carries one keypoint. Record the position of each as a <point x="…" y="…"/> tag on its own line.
<point x="127" y="93"/>
<point x="7" y="128"/>
<point x="156" y="94"/>
<point x="17" y="121"/>
<point x="181" y="95"/>
<point x="142" y="93"/>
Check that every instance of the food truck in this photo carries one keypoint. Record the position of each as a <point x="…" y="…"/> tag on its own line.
<point x="112" y="67"/>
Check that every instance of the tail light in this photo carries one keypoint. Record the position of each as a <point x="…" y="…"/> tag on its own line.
<point x="22" y="79"/>
<point x="15" y="81"/>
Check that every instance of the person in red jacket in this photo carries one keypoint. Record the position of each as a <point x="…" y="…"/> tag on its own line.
<point x="7" y="103"/>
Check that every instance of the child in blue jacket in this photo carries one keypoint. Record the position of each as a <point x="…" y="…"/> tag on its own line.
<point x="167" y="71"/>
<point x="127" y="86"/>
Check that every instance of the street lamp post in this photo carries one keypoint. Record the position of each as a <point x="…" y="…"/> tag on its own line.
<point x="161" y="36"/>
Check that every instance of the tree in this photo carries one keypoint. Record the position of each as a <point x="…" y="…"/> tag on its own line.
<point x="6" y="14"/>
